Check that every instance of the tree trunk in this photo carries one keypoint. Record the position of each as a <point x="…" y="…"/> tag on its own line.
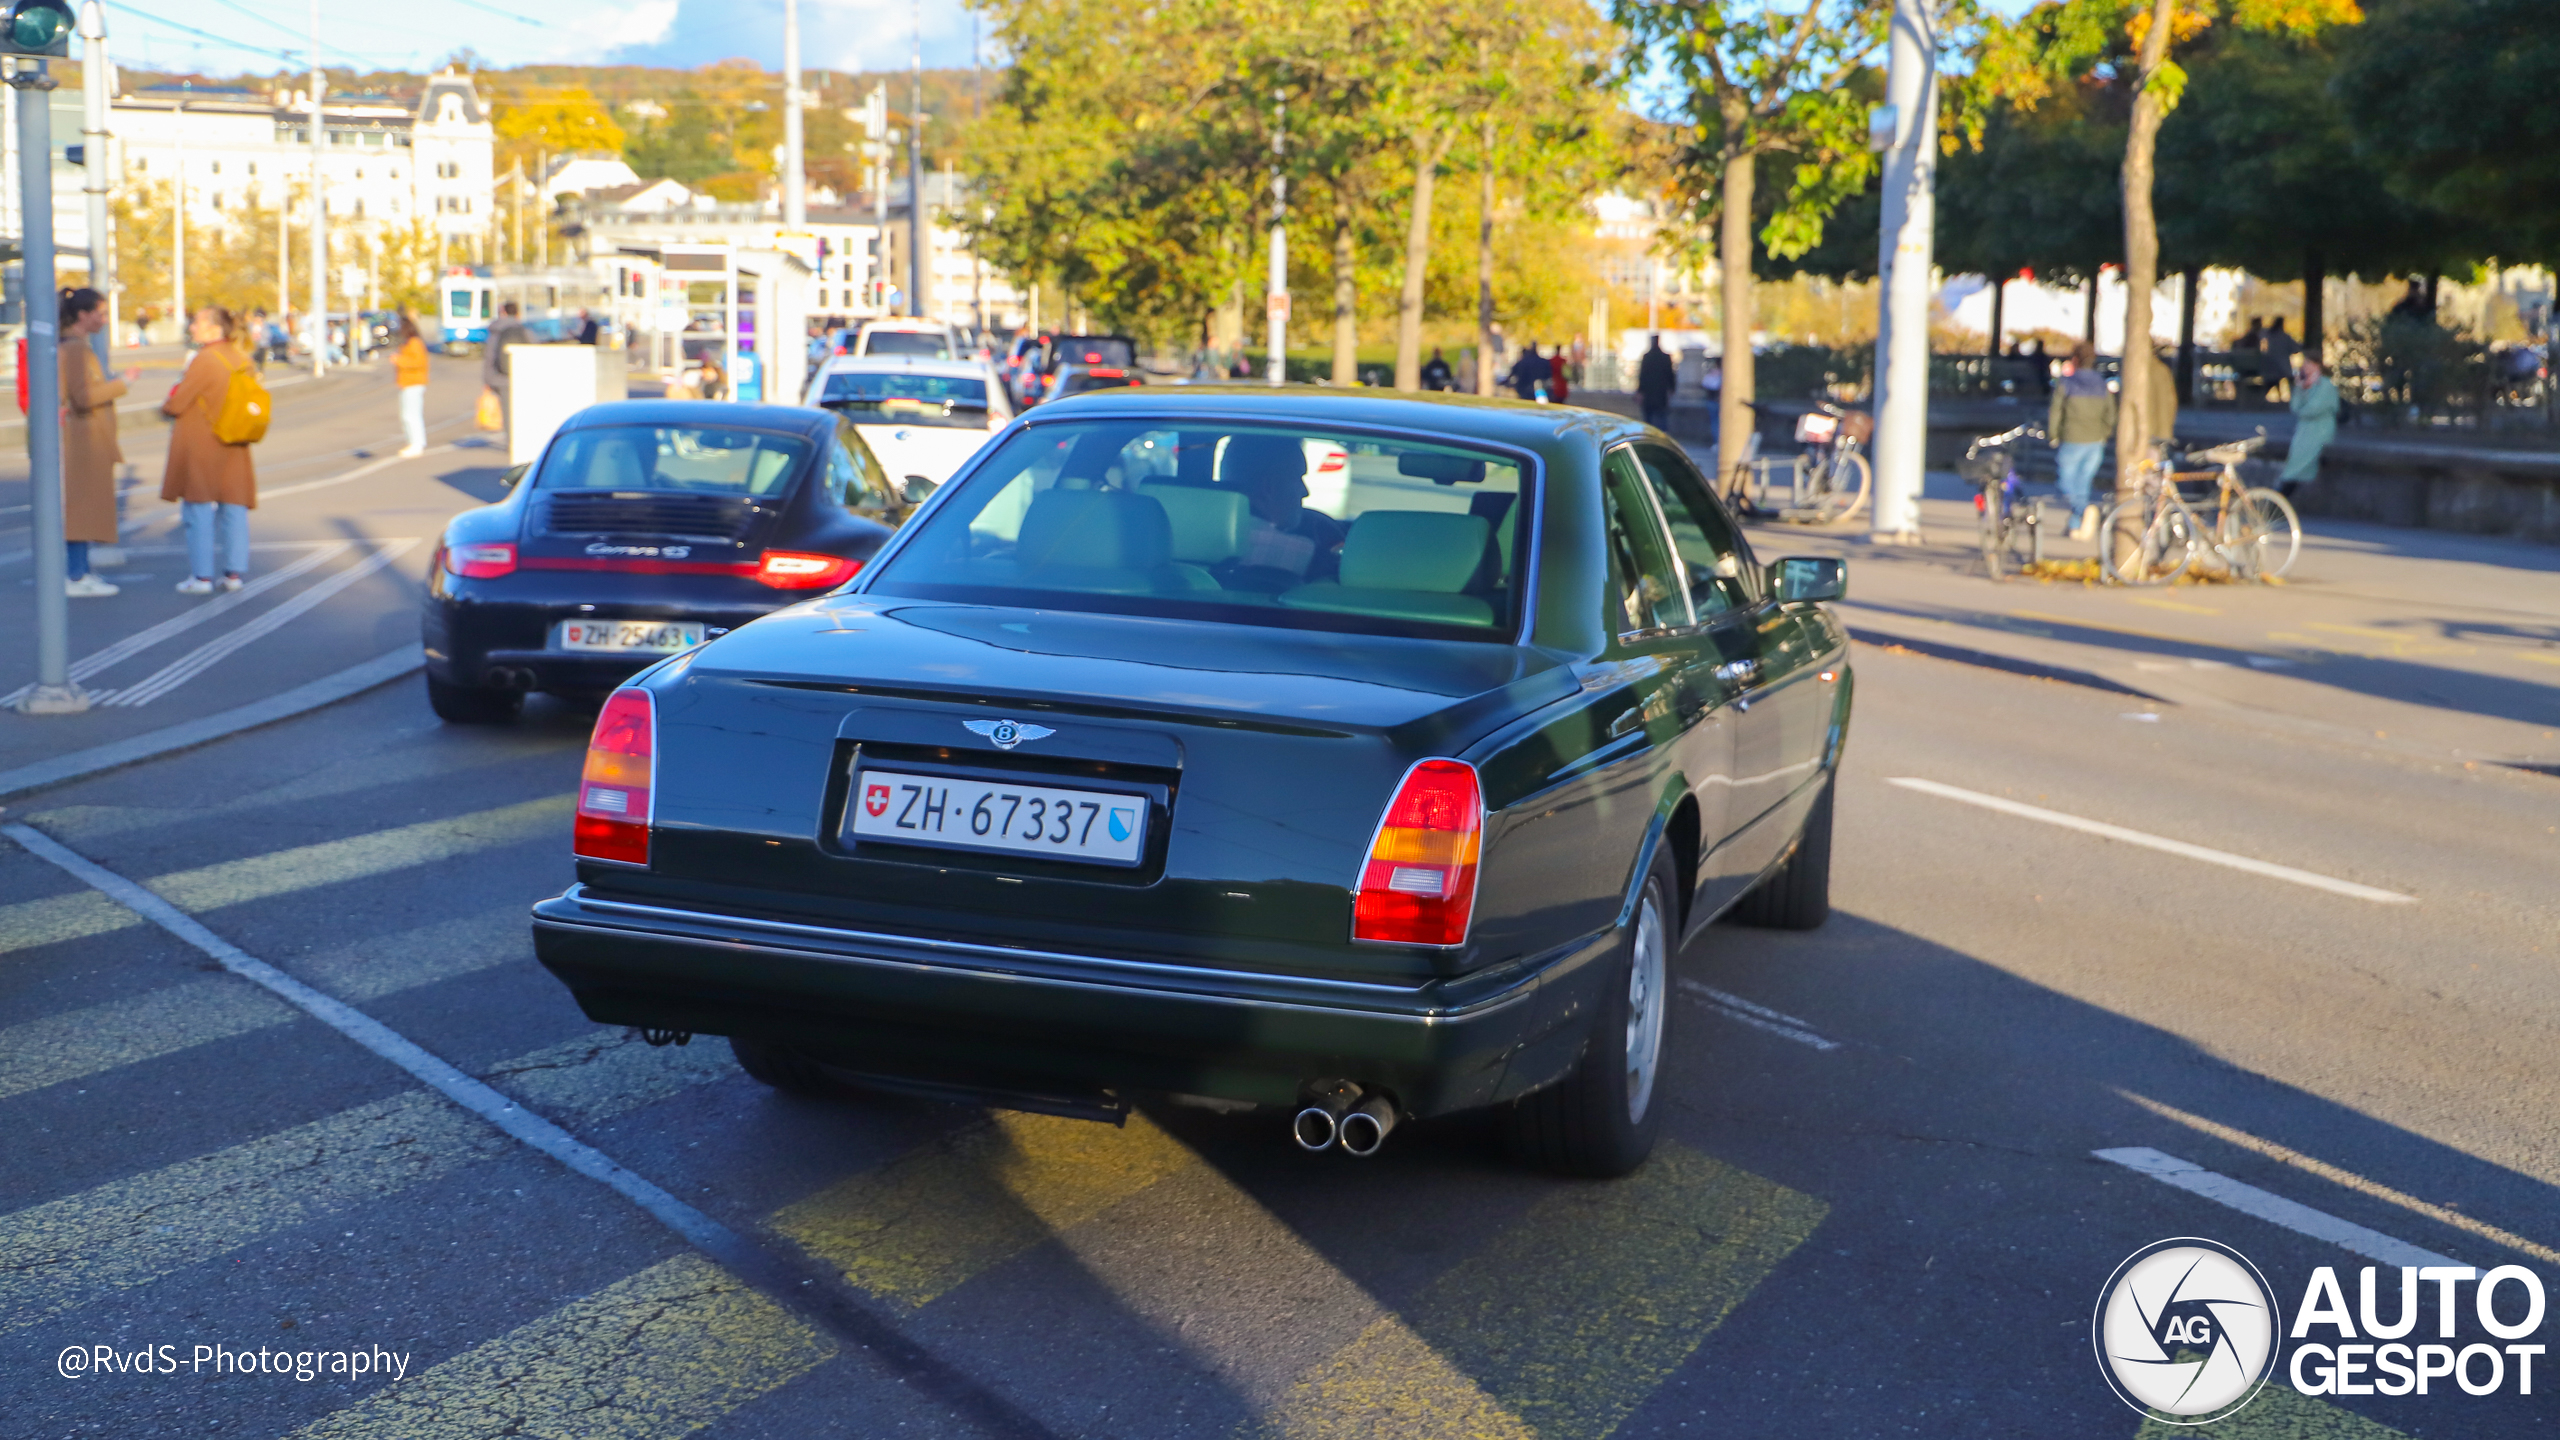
<point x="2141" y="256"/>
<point x="1346" y="295"/>
<point x="1427" y="155"/>
<point x="2315" y="280"/>
<point x="2188" y="281"/>
<point x="1733" y="259"/>
<point x="1484" y="271"/>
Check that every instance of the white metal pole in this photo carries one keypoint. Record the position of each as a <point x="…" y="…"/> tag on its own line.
<point x="1276" y="285"/>
<point x="53" y="693"/>
<point x="1903" y="265"/>
<point x="919" y="266"/>
<point x="795" y="190"/>
<point x="319" y="213"/>
<point x="178" y="270"/>
<point x="94" y="97"/>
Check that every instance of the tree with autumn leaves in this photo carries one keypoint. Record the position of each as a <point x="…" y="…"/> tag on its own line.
<point x="2132" y="44"/>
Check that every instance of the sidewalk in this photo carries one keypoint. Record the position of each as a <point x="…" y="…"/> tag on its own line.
<point x="2441" y="646"/>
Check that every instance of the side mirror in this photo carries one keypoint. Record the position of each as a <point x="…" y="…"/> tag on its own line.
<point x="1799" y="579"/>
<point x="918" y="489"/>
<point x="514" y="476"/>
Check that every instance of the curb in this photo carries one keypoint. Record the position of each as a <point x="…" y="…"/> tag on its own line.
<point x="328" y="690"/>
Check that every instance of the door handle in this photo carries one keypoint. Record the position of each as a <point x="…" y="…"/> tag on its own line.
<point x="1738" y="672"/>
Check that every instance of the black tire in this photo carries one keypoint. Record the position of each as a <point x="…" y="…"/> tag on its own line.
<point x="779" y="1066"/>
<point x="472" y="705"/>
<point x="1593" y="1123"/>
<point x="1796" y="895"/>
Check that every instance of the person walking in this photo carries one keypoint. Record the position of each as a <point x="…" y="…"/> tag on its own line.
<point x="1655" y="377"/>
<point x="2315" y="424"/>
<point x="89" y="450"/>
<point x="1529" y="373"/>
<point x="1711" y="383"/>
<point x="409" y="368"/>
<point x="2080" y="424"/>
<point x="214" y="483"/>
<point x="2247" y="376"/>
<point x="509" y="330"/>
<point x="2277" y="350"/>
<point x="1436" y="374"/>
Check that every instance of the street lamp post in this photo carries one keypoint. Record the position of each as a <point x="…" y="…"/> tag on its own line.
<point x="1276" y="287"/>
<point x="319" y="215"/>
<point x="1910" y="141"/>
<point x="795" y="196"/>
<point x="94" y="160"/>
<point x="53" y="693"/>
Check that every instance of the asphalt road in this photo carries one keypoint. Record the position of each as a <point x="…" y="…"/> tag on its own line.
<point x="1877" y="1211"/>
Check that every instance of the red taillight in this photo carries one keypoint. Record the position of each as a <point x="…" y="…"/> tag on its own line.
<point x="614" y="793"/>
<point x="796" y="570"/>
<point x="1333" y="460"/>
<point x="1418" y="886"/>
<point x="481" y="562"/>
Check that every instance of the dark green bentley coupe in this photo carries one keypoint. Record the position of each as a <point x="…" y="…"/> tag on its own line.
<point x="1364" y="758"/>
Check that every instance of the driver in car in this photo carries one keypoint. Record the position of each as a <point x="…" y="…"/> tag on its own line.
<point x="1285" y="535"/>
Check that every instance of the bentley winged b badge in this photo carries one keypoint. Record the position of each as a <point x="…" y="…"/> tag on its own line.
<point x="1008" y="733"/>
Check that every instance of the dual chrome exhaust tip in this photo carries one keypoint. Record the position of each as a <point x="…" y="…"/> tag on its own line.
<point x="1338" y="1113"/>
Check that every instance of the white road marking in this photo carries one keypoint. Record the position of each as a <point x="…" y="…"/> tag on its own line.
<point x="357" y="473"/>
<point x="2158" y="842"/>
<point x="1758" y="1017"/>
<point x="2270" y="1207"/>
<point x="714" y="1238"/>
<point x="195" y="662"/>
<point x="193" y="616"/>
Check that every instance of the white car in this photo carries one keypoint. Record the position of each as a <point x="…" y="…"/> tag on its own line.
<point x="923" y="339"/>
<point x="921" y="417"/>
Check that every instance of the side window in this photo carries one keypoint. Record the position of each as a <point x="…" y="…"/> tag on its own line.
<point x="1718" y="567"/>
<point x="854" y="477"/>
<point x="1644" y="578"/>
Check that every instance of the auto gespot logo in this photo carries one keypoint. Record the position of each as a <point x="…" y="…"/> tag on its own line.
<point x="2187" y="1331"/>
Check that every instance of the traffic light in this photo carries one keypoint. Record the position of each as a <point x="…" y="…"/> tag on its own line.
<point x="37" y="27"/>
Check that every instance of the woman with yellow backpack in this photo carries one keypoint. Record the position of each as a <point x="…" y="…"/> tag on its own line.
<point x="221" y="410"/>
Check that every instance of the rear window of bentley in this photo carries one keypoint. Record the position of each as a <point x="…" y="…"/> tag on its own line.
<point x="1264" y="525"/>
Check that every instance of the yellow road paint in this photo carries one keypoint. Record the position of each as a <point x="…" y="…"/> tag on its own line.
<point x="97" y="1038"/>
<point x="608" y="1072"/>
<point x="31" y="923"/>
<point x="1390" y="1383"/>
<point x="2537" y="657"/>
<point x="2336" y="1175"/>
<point x="2279" y="1413"/>
<point x="2172" y="605"/>
<point x="133" y="1231"/>
<point x="652" y="1357"/>
<point x="1572" y="1317"/>
<point x="917" y="1228"/>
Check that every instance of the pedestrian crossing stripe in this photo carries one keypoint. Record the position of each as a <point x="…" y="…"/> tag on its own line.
<point x="654" y="1356"/>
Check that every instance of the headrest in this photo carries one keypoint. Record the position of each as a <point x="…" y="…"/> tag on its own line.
<point x="1093" y="528"/>
<point x="1207" y="525"/>
<point x="1414" y="550"/>
<point x="1256" y="462"/>
<point x="615" y="465"/>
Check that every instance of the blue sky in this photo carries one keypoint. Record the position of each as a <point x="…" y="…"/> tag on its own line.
<point x="413" y="34"/>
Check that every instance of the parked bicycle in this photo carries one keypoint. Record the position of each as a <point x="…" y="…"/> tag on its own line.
<point x="2012" y="522"/>
<point x="2152" y="536"/>
<point x="1825" y="483"/>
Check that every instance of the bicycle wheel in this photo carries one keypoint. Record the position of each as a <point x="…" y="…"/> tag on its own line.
<point x="2138" y="545"/>
<point x="1836" y="496"/>
<point x="2261" y="535"/>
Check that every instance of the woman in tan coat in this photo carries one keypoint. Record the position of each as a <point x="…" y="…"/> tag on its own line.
<point x="214" y="483"/>
<point x="89" y="451"/>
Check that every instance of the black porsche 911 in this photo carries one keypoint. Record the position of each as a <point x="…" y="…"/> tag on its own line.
<point x="645" y="527"/>
<point x="1129" y="767"/>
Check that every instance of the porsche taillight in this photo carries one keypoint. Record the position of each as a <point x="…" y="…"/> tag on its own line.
<point x="613" y="794"/>
<point x="1418" y="886"/>
<point x="795" y="570"/>
<point x="481" y="562"/>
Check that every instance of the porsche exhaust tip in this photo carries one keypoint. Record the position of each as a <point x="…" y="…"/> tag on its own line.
<point x="1365" y="1129"/>
<point x="1320" y="1123"/>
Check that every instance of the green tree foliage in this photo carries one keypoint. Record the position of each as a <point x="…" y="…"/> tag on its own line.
<point x="1751" y="78"/>
<point x="2456" y="101"/>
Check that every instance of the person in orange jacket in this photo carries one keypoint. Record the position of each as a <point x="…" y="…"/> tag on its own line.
<point x="409" y="367"/>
